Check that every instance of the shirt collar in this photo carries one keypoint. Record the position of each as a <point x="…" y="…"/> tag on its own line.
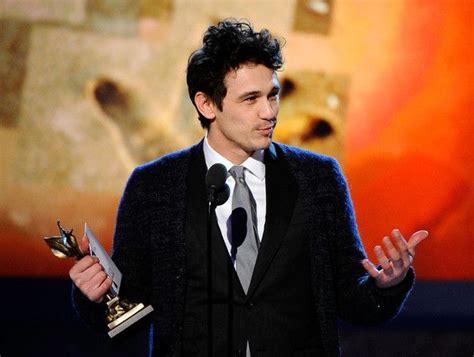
<point x="254" y="164"/>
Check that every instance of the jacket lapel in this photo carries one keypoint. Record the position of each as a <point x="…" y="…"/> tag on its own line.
<point x="198" y="211"/>
<point x="281" y="196"/>
<point x="196" y="197"/>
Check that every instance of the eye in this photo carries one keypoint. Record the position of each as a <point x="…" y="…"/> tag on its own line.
<point x="250" y="99"/>
<point x="273" y="96"/>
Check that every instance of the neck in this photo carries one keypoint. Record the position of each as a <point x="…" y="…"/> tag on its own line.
<point x="234" y="154"/>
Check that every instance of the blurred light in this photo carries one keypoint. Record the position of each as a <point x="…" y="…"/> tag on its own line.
<point x="333" y="101"/>
<point x="321" y="7"/>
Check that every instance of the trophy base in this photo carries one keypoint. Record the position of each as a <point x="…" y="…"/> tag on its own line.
<point x="127" y="319"/>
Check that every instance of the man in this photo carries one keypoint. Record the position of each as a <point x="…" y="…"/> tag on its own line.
<point x="300" y="264"/>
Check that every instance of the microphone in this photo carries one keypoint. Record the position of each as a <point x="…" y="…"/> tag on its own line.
<point x="218" y="191"/>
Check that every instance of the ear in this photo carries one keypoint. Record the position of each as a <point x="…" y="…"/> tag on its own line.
<point x="205" y="105"/>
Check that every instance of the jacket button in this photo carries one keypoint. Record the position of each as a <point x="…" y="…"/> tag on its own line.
<point x="238" y="353"/>
<point x="250" y="304"/>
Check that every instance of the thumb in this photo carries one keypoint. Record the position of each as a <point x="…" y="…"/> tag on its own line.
<point x="415" y="239"/>
<point x="84" y="244"/>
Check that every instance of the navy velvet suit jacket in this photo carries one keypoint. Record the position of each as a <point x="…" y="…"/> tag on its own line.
<point x="302" y="188"/>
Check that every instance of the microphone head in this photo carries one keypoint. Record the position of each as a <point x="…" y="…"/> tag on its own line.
<point x="216" y="176"/>
<point x="222" y="195"/>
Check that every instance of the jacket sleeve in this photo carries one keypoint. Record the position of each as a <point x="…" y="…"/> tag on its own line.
<point x="129" y="254"/>
<point x="358" y="298"/>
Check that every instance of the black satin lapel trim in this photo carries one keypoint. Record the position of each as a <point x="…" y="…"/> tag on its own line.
<point x="281" y="197"/>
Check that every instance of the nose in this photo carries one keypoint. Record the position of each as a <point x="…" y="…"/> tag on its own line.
<point x="269" y="109"/>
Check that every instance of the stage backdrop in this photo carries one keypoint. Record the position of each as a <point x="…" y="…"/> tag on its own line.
<point x="90" y="89"/>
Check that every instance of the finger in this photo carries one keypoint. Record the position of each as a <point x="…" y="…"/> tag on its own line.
<point x="402" y="247"/>
<point x="82" y="265"/>
<point x="103" y="288"/>
<point x="381" y="257"/>
<point x="95" y="288"/>
<point x="393" y="253"/>
<point x="385" y="262"/>
<point x="95" y="281"/>
<point x="415" y="239"/>
<point x="370" y="268"/>
<point x="89" y="275"/>
<point x="84" y="244"/>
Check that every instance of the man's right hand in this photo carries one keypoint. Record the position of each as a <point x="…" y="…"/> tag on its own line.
<point x="89" y="276"/>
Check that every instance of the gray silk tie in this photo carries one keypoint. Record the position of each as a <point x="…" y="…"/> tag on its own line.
<point x="244" y="234"/>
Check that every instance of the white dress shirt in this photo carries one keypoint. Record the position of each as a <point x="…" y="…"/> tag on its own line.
<point x="255" y="178"/>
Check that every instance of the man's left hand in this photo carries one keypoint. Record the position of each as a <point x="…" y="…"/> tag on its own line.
<point x="395" y="260"/>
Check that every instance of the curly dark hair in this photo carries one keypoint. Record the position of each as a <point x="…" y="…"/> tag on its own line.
<point x="227" y="46"/>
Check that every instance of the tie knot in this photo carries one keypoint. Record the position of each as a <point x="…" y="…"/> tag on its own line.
<point x="237" y="173"/>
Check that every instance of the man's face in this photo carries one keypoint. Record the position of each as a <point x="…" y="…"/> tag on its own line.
<point x="249" y="112"/>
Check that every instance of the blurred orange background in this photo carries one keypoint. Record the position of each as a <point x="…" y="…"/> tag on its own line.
<point x="408" y="152"/>
<point x="409" y="146"/>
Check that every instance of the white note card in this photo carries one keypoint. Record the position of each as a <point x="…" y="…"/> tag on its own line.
<point x="97" y="250"/>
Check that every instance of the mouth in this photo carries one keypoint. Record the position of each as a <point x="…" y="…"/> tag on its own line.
<point x="267" y="130"/>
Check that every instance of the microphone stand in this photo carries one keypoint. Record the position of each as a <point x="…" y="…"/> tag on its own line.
<point x="213" y="203"/>
<point x="230" y="307"/>
<point x="217" y="193"/>
<point x="211" y="212"/>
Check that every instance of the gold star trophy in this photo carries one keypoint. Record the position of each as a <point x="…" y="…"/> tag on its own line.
<point x="120" y="313"/>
